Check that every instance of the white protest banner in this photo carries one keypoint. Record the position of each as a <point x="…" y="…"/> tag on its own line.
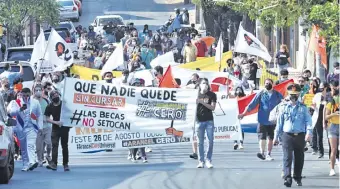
<point x="105" y="106"/>
<point x="38" y="53"/>
<point x="58" y="52"/>
<point x="93" y="140"/>
<point x="115" y="60"/>
<point x="247" y="43"/>
<point x="163" y="60"/>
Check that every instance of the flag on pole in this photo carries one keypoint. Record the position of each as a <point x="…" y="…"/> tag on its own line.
<point x="115" y="60"/>
<point x="219" y="50"/>
<point x="58" y="52"/>
<point x="249" y="44"/>
<point x="168" y="80"/>
<point x="318" y="44"/>
<point x="38" y="54"/>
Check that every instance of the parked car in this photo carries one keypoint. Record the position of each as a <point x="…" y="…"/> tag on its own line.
<point x="69" y="25"/>
<point x="68" y="10"/>
<point x="63" y="32"/>
<point x="79" y="5"/>
<point x="100" y="21"/>
<point x="7" y="148"/>
<point x="29" y="72"/>
<point x="19" y="53"/>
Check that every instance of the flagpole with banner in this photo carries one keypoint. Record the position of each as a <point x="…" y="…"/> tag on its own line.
<point x="40" y="60"/>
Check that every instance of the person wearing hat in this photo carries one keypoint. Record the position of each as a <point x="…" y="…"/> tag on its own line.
<point x="294" y="125"/>
<point x="335" y="75"/>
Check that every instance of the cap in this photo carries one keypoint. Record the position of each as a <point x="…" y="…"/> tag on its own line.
<point x="336" y="64"/>
<point x="294" y="89"/>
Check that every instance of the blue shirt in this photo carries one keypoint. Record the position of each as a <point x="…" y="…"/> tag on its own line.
<point x="11" y="76"/>
<point x="267" y="102"/>
<point x="294" y="119"/>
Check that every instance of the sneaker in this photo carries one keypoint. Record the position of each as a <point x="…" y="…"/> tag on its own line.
<point x="148" y="149"/>
<point x="320" y="156"/>
<point x="269" y="158"/>
<point x="336" y="161"/>
<point x="129" y="157"/>
<point x="235" y="146"/>
<point x="16" y="157"/>
<point x="241" y="147"/>
<point x="314" y="152"/>
<point x="66" y="168"/>
<point x="19" y="157"/>
<point x="282" y="174"/>
<point x="261" y="156"/>
<point x="48" y="158"/>
<point x="133" y="160"/>
<point x="194" y="156"/>
<point x="52" y="166"/>
<point x="200" y="165"/>
<point x="25" y="168"/>
<point x="145" y="160"/>
<point x="32" y="166"/>
<point x="208" y="164"/>
<point x="40" y="164"/>
<point x="332" y="172"/>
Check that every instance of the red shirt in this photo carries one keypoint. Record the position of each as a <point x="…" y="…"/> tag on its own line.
<point x="201" y="48"/>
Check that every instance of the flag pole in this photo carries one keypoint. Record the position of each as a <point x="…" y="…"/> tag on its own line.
<point x="43" y="57"/>
<point x="220" y="46"/>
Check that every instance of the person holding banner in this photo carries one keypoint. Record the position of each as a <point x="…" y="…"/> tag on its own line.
<point x="206" y="103"/>
<point x="59" y="131"/>
<point x="107" y="77"/>
<point x="266" y="101"/>
<point x="294" y="125"/>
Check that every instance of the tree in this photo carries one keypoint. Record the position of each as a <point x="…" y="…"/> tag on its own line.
<point x="15" y="14"/>
<point x="284" y="13"/>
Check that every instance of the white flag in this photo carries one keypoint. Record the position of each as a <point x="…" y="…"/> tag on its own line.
<point x="115" y="60"/>
<point x="249" y="44"/>
<point x="163" y="60"/>
<point x="219" y="50"/>
<point x="39" y="49"/>
<point x="58" y="52"/>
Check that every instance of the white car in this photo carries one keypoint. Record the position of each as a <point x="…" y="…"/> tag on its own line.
<point x="7" y="148"/>
<point x="100" y="21"/>
<point x="69" y="25"/>
<point x="19" y="53"/>
<point x="68" y="10"/>
<point x="29" y="72"/>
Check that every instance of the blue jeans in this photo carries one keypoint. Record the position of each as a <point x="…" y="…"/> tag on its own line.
<point x="207" y="126"/>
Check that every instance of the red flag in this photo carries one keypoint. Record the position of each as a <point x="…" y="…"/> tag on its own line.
<point x="317" y="44"/>
<point x="215" y="83"/>
<point x="168" y="80"/>
<point x="245" y="101"/>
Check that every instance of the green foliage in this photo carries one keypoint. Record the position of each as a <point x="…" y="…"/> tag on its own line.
<point x="15" y="13"/>
<point x="326" y="16"/>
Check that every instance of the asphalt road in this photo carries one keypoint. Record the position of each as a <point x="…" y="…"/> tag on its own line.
<point x="171" y="168"/>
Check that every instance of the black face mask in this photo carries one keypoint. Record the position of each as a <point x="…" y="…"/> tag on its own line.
<point x="6" y="86"/>
<point x="306" y="78"/>
<point x="336" y="92"/>
<point x="302" y="86"/>
<point x="293" y="97"/>
<point x="194" y="82"/>
<point x="55" y="80"/>
<point x="269" y="86"/>
<point x="328" y="90"/>
<point x="108" y="80"/>
<point x="46" y="93"/>
<point x="56" y="100"/>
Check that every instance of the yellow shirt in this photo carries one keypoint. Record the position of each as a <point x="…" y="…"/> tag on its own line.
<point x="334" y="119"/>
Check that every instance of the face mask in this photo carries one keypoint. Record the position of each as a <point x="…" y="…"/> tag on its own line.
<point x="283" y="79"/>
<point x="302" y="86"/>
<point x="336" y="92"/>
<point x="146" y="31"/>
<point x="194" y="82"/>
<point x="306" y="78"/>
<point x="269" y="86"/>
<point x="156" y="37"/>
<point x="56" y="99"/>
<point x="293" y="98"/>
<point x="133" y="43"/>
<point x="37" y="94"/>
<point x="6" y="86"/>
<point x="26" y="99"/>
<point x="110" y="49"/>
<point x="55" y="80"/>
<point x="188" y="44"/>
<point x="46" y="93"/>
<point x="204" y="87"/>
<point x="144" y="49"/>
<point x="108" y="80"/>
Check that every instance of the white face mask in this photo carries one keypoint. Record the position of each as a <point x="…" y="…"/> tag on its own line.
<point x="133" y="43"/>
<point x="203" y="87"/>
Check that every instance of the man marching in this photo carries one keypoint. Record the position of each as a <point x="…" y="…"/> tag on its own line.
<point x="29" y="118"/>
<point x="295" y="125"/>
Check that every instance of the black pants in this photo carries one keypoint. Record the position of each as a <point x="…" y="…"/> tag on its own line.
<point x="317" y="142"/>
<point x="60" y="133"/>
<point x="134" y="151"/>
<point x="293" y="144"/>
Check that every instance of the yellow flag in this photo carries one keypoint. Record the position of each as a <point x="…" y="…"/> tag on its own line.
<point x="90" y="74"/>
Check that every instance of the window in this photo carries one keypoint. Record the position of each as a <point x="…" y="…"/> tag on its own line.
<point x="63" y="34"/>
<point x="66" y="3"/>
<point x="105" y="21"/>
<point x="28" y="72"/>
<point x="65" y="25"/>
<point x="20" y="55"/>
